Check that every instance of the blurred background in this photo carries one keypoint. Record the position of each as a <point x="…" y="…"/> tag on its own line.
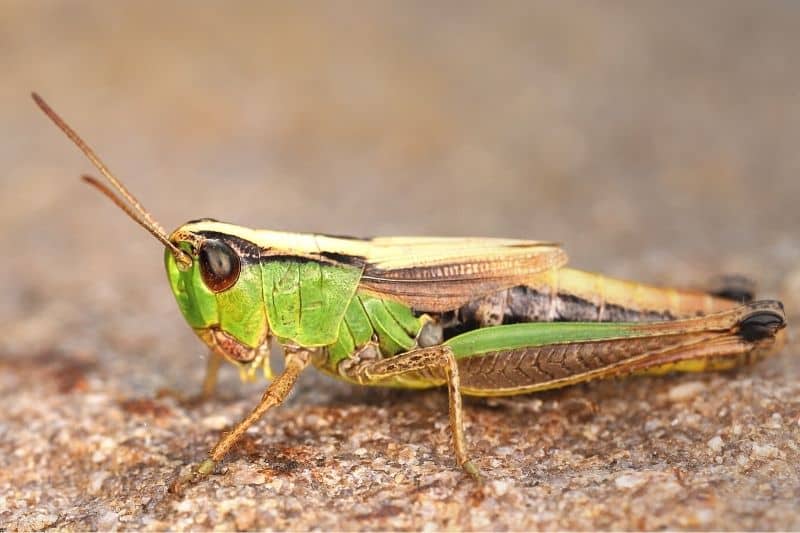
<point x="657" y="141"/>
<point x="654" y="142"/>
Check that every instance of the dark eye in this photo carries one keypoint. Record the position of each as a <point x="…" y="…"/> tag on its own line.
<point x="219" y="265"/>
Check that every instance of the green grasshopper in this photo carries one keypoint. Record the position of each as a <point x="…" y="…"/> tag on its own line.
<point x="485" y="317"/>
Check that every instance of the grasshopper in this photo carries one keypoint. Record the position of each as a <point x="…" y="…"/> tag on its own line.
<point x="484" y="317"/>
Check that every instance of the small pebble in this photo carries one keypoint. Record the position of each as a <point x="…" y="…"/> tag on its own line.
<point x="246" y="476"/>
<point x="407" y="453"/>
<point x="704" y="516"/>
<point x="652" y="425"/>
<point x="686" y="391"/>
<point x="500" y="487"/>
<point x="245" y="517"/>
<point x="98" y="457"/>
<point x="716" y="444"/>
<point x="503" y="451"/>
<point x="184" y="506"/>
<point x="39" y="521"/>
<point x="96" y="480"/>
<point x="765" y="451"/>
<point x="629" y="481"/>
<point x="107" y="520"/>
<point x="215" y="422"/>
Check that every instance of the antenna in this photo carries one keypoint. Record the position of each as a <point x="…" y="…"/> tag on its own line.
<point x="128" y="203"/>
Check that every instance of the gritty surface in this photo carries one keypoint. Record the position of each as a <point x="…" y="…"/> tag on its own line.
<point x="657" y="144"/>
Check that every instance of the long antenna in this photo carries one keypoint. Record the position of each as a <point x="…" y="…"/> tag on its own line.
<point x="103" y="188"/>
<point x="130" y="205"/>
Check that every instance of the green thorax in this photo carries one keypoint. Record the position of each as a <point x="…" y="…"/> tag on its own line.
<point x="305" y="300"/>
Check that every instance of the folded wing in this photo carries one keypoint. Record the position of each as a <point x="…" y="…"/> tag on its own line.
<point x="437" y="274"/>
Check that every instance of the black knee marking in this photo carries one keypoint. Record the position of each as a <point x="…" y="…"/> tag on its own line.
<point x="760" y="325"/>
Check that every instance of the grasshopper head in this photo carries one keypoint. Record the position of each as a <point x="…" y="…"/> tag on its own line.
<point x="220" y="293"/>
<point x="215" y="277"/>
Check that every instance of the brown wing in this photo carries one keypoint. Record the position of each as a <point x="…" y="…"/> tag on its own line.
<point x="437" y="274"/>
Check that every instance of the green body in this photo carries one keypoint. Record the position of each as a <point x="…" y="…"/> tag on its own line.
<point x="350" y="302"/>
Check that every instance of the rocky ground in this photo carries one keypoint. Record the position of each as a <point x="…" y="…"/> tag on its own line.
<point x="656" y="143"/>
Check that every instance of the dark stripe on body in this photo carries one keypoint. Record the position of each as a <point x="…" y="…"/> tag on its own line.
<point x="324" y="258"/>
<point x="250" y="252"/>
<point x="524" y="304"/>
<point x="345" y="259"/>
<point x="246" y="250"/>
<point x="345" y="237"/>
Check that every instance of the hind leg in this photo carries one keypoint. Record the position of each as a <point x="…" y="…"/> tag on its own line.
<point x="433" y="358"/>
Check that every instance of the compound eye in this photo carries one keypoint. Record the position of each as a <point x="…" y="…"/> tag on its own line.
<point x="219" y="265"/>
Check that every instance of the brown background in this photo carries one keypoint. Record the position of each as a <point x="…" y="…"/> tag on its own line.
<point x="658" y="141"/>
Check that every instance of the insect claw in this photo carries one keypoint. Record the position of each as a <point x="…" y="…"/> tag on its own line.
<point x="206" y="467"/>
<point x="473" y="471"/>
<point x="191" y="476"/>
